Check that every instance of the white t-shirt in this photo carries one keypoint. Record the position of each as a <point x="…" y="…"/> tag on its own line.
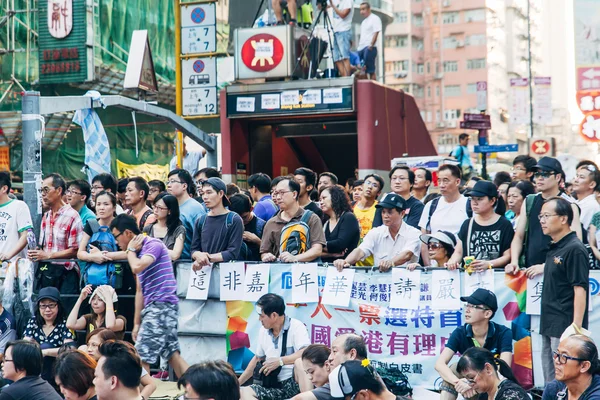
<point x="382" y="246"/>
<point x="339" y="24"/>
<point x="368" y="28"/>
<point x="446" y="217"/>
<point x="589" y="206"/>
<point x="14" y="219"/>
<point x="297" y="339"/>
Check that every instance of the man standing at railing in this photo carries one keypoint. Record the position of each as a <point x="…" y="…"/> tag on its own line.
<point x="15" y="221"/>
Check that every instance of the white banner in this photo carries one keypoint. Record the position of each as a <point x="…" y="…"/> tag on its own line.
<point x="519" y="105"/>
<point x="542" y="100"/>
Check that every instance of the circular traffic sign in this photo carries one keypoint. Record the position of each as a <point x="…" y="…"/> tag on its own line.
<point x="540" y="147"/>
<point x="198" y="15"/>
<point x="198" y="66"/>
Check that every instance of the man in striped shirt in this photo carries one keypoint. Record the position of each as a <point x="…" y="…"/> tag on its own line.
<point x="155" y="334"/>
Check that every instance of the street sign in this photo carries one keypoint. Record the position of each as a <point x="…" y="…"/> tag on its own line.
<point x="475" y="125"/>
<point x="476" y="117"/>
<point x="199" y="72"/>
<point x="200" y="101"/>
<point x="588" y="78"/>
<point x="497" y="148"/>
<point x="198" y="15"/>
<point x="482" y="96"/>
<point x="540" y="147"/>
<point x="196" y="40"/>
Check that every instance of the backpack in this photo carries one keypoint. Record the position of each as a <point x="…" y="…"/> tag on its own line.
<point x="107" y="273"/>
<point x="434" y="204"/>
<point x="245" y="254"/>
<point x="295" y="235"/>
<point x="144" y="218"/>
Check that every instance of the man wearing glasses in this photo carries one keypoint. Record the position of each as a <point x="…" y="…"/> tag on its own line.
<point x="478" y="331"/>
<point x="522" y="169"/>
<point x="78" y="196"/>
<point x="529" y="237"/>
<point x="585" y="184"/>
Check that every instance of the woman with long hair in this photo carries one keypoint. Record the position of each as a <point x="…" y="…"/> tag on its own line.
<point x="342" y="231"/>
<point x="486" y="374"/>
<point x="103" y="302"/>
<point x="168" y="226"/>
<point x="74" y="375"/>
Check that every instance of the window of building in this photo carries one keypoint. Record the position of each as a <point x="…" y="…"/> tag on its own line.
<point x="418" y="91"/>
<point x="422" y="115"/>
<point x="397" y="66"/>
<point x="452" y="90"/>
<point x="449" y="42"/>
<point x="475" y="15"/>
<point x="452" y="17"/>
<point x="417" y="19"/>
<point x="476" y="63"/>
<point x="475" y="40"/>
<point x="437" y="91"/>
<point x="428" y="68"/>
<point x="437" y="115"/>
<point x="428" y="91"/>
<point x="401" y="17"/>
<point x="450" y="66"/>
<point x="417" y="43"/>
<point x="471" y="88"/>
<point x="420" y="69"/>
<point x="436" y="45"/>
<point x="428" y="116"/>
<point x="437" y="67"/>
<point x="397" y="41"/>
<point x="435" y="19"/>
<point x="451" y="115"/>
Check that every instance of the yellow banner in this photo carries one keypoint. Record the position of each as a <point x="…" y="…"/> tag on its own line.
<point x="146" y="171"/>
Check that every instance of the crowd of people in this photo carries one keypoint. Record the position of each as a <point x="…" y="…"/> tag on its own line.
<point x="529" y="220"/>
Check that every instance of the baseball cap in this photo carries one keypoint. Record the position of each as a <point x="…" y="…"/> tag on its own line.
<point x="549" y="164"/>
<point x="219" y="185"/>
<point x="51" y="293"/>
<point x="482" y="189"/>
<point x="441" y="236"/>
<point x="482" y="297"/>
<point x="392" y="200"/>
<point x="351" y="377"/>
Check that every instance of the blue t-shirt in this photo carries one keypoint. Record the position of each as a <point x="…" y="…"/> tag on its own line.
<point x="189" y="212"/>
<point x="462" y="154"/>
<point x="86" y="214"/>
<point x="265" y="208"/>
<point x="498" y="341"/>
<point x="553" y="388"/>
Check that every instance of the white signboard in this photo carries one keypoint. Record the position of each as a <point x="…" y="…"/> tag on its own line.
<point x="269" y="101"/>
<point x="231" y="280"/>
<point x="519" y="105"/>
<point x="257" y="281"/>
<point x="198" y="283"/>
<point x="305" y="286"/>
<point x="406" y="289"/>
<point x="198" y="15"/>
<point x="338" y="287"/>
<point x="332" y="96"/>
<point x="476" y="280"/>
<point x="534" y="295"/>
<point x="290" y="98"/>
<point x="542" y="100"/>
<point x="245" y="104"/>
<point x="199" y="72"/>
<point x="312" y="96"/>
<point x="445" y="291"/>
<point x="196" y="40"/>
<point x="200" y="101"/>
<point x="482" y="96"/>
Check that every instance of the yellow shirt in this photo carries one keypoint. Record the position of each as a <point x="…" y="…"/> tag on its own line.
<point x="365" y="221"/>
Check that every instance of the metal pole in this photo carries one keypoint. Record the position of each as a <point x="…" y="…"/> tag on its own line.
<point x="211" y="156"/>
<point x="32" y="156"/>
<point x="178" y="83"/>
<point x="530" y="73"/>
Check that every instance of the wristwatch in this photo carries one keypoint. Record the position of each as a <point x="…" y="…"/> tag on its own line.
<point x="280" y="362"/>
<point x="130" y="249"/>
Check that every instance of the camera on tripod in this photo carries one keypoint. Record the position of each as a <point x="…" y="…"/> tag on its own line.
<point x="323" y="3"/>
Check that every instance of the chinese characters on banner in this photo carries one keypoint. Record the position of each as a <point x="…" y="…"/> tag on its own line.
<point x="338" y="287"/>
<point x="231" y="281"/>
<point x="542" y="105"/>
<point x="256" y="283"/>
<point x="534" y="295"/>
<point x="445" y="292"/>
<point x="305" y="288"/>
<point x="476" y="280"/>
<point x="199" y="283"/>
<point x="519" y="110"/>
<point x="406" y="287"/>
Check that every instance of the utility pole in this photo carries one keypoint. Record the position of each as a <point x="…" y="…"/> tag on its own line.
<point x="32" y="157"/>
<point x="530" y="73"/>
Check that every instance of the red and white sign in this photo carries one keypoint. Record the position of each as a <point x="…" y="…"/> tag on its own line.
<point x="590" y="127"/>
<point x="540" y="147"/>
<point x="588" y="101"/>
<point x="588" y="78"/>
<point x="262" y="52"/>
<point x="60" y="18"/>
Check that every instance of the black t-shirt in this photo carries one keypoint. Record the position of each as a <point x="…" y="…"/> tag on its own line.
<point x="566" y="267"/>
<point x="344" y="237"/>
<point x="486" y="242"/>
<point x="414" y="209"/>
<point x="498" y="341"/>
<point x="255" y="226"/>
<point x="507" y="390"/>
<point x="214" y="236"/>
<point x="29" y="388"/>
<point x="314" y="207"/>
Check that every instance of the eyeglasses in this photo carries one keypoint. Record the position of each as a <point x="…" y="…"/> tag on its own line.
<point x="116" y="237"/>
<point x="544" y="174"/>
<point x="96" y="187"/>
<point x="434" y="245"/>
<point x="154" y="190"/>
<point x="184" y="397"/>
<point x="518" y="169"/>
<point x="159" y="208"/>
<point x="471" y="381"/>
<point x="51" y="306"/>
<point x="371" y="184"/>
<point x="47" y="189"/>
<point x="69" y="191"/>
<point x="467" y="305"/>
<point x="279" y="194"/>
<point x="544" y="217"/>
<point x="563" y="358"/>
<point x="173" y="181"/>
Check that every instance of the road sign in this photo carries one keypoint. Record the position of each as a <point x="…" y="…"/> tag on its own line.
<point x="199" y="72"/>
<point x="588" y="78"/>
<point x="476" y="117"/>
<point x="482" y="95"/>
<point x="540" y="147"/>
<point x="497" y="148"/>
<point x="200" y="101"/>
<point x="198" y="15"/>
<point x="196" y="40"/>
<point x="475" y="124"/>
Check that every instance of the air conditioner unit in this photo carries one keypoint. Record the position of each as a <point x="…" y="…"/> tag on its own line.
<point x="440" y="125"/>
<point x="439" y="75"/>
<point x="446" y="3"/>
<point x="460" y="43"/>
<point x="451" y="124"/>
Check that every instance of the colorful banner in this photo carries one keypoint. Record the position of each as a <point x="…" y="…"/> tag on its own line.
<point x="146" y="171"/>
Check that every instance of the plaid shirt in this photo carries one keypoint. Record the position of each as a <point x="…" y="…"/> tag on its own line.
<point x="61" y="231"/>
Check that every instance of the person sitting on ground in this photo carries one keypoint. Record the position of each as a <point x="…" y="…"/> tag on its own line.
<point x="156" y="187"/>
<point x="489" y="376"/>
<point x="23" y="365"/>
<point x="168" y="226"/>
<point x="359" y="380"/>
<point x="314" y="363"/>
<point x="576" y="368"/>
<point x="478" y="331"/>
<point x="348" y="346"/>
<point x="441" y="247"/>
<point x="136" y="196"/>
<point x="342" y="231"/>
<point x="103" y="315"/>
<point x="253" y="226"/>
<point x="118" y="372"/>
<point x="214" y="380"/>
<point x="74" y="375"/>
<point x="95" y="339"/>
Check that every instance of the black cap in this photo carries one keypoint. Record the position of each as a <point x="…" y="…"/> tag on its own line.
<point x="50" y="292"/>
<point x="482" y="189"/>
<point x="549" y="164"/>
<point x="218" y="184"/>
<point x="351" y="377"/>
<point x="482" y="297"/>
<point x="392" y="200"/>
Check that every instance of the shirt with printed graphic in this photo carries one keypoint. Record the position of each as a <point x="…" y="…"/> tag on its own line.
<point x="14" y="219"/>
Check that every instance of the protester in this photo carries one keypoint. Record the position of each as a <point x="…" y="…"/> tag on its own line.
<point x="359" y="380"/>
<point x="210" y="380"/>
<point x="348" y="346"/>
<point x="306" y="178"/>
<point x="440" y="246"/>
<point x="463" y="155"/>
<point x="259" y="186"/>
<point x="349" y="187"/>
<point x="291" y="9"/>
<point x="253" y="226"/>
<point x="566" y="280"/>
<point x="15" y="220"/>
<point x="314" y="363"/>
<point x="121" y="192"/>
<point x="577" y="368"/>
<point x="59" y="237"/>
<point x="523" y="168"/>
<point x="342" y="231"/>
<point x="486" y="236"/>
<point x="502" y="180"/>
<point x="232" y="189"/>
<point x="584" y="163"/>
<point x="548" y="176"/>
<point x="471" y="183"/>
<point x="327" y="179"/>
<point x="103" y="315"/>
<point x="478" y="331"/>
<point x="402" y="179"/>
<point x="156" y="187"/>
<point x="370" y="28"/>
<point x="517" y="192"/>
<point x="74" y="375"/>
<point x="357" y="189"/>
<point x="78" y="196"/>
<point x="168" y="226"/>
<point x="156" y="302"/>
<point x="365" y="209"/>
<point x="23" y="365"/>
<point x="281" y="341"/>
<point x="181" y="185"/>
<point x="136" y="196"/>
<point x="486" y="374"/>
<point x="218" y="234"/>
<point x="190" y="159"/>
<point x="585" y="184"/>
<point x="291" y="220"/>
<point x="393" y="244"/>
<point x="118" y="372"/>
<point x="105" y="183"/>
<point x="423" y="180"/>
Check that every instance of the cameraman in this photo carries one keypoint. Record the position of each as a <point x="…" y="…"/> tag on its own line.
<point x="341" y="13"/>
<point x="276" y="325"/>
<point x="291" y="7"/>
